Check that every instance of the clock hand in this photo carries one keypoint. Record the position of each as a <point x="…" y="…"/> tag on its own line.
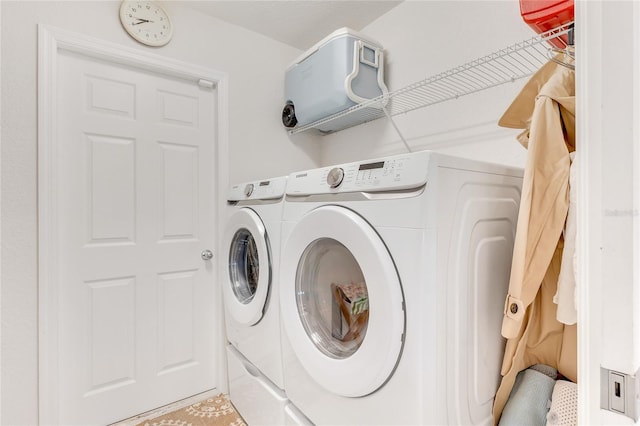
<point x="141" y="21"/>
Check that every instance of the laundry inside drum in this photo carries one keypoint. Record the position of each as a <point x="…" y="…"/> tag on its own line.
<point x="244" y="266"/>
<point x="332" y="298"/>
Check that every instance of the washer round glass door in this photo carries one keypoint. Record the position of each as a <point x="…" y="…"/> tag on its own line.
<point x="341" y="301"/>
<point x="249" y="267"/>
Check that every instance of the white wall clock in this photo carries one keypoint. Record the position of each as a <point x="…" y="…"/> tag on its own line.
<point x="146" y="21"/>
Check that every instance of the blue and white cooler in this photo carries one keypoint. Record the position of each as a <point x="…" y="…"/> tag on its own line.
<point x="341" y="71"/>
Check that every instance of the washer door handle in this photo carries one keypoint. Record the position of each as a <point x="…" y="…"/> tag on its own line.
<point x="206" y="254"/>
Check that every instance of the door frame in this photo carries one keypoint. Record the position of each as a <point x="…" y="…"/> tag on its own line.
<point x="51" y="41"/>
<point x="608" y="268"/>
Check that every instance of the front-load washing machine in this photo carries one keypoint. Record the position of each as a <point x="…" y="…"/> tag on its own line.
<point x="251" y="248"/>
<point x="393" y="278"/>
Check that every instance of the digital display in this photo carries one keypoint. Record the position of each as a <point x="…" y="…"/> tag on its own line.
<point x="370" y="166"/>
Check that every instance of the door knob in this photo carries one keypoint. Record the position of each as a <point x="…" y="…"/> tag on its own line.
<point x="206" y="254"/>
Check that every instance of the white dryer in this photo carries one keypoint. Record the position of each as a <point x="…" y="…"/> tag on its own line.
<point x="393" y="279"/>
<point x="251" y="248"/>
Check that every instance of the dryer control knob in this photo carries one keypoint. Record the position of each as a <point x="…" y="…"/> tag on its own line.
<point x="248" y="190"/>
<point x="335" y="177"/>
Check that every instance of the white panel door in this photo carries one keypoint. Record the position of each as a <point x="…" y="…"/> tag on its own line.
<point x="136" y="301"/>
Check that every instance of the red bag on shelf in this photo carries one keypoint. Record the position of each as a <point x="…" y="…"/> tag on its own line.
<point x="545" y="15"/>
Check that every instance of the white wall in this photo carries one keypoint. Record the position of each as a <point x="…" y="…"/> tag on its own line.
<point x="424" y="38"/>
<point x="258" y="147"/>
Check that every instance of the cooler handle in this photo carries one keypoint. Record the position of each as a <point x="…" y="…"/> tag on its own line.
<point x="358" y="58"/>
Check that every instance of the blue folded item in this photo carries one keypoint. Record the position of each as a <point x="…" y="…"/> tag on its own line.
<point x="530" y="399"/>
<point x="547" y="370"/>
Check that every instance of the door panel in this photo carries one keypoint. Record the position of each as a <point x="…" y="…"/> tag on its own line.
<point x="136" y="207"/>
<point x="111" y="354"/>
<point x="179" y="198"/>
<point x="105" y="190"/>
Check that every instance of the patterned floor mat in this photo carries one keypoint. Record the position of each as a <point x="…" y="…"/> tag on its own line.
<point x="216" y="411"/>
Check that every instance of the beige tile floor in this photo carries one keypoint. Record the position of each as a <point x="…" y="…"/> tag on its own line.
<point x="166" y="409"/>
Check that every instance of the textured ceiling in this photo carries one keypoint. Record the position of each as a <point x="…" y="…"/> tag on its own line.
<point x="298" y="23"/>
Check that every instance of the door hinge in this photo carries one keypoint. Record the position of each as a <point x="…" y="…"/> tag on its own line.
<point x="620" y="393"/>
<point x="206" y="83"/>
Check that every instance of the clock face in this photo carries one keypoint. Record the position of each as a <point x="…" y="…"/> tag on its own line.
<point x="146" y="21"/>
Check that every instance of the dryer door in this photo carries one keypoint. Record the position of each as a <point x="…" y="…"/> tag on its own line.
<point x="248" y="277"/>
<point x="341" y="302"/>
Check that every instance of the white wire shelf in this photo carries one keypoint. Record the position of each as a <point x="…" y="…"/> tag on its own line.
<point x="504" y="66"/>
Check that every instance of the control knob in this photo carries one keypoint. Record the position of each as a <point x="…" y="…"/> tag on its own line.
<point x="335" y="177"/>
<point x="248" y="190"/>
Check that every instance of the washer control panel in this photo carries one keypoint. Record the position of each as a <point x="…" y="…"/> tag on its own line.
<point x="392" y="173"/>
<point x="259" y="190"/>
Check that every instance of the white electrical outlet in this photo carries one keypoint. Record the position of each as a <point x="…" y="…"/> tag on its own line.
<point x="618" y="393"/>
